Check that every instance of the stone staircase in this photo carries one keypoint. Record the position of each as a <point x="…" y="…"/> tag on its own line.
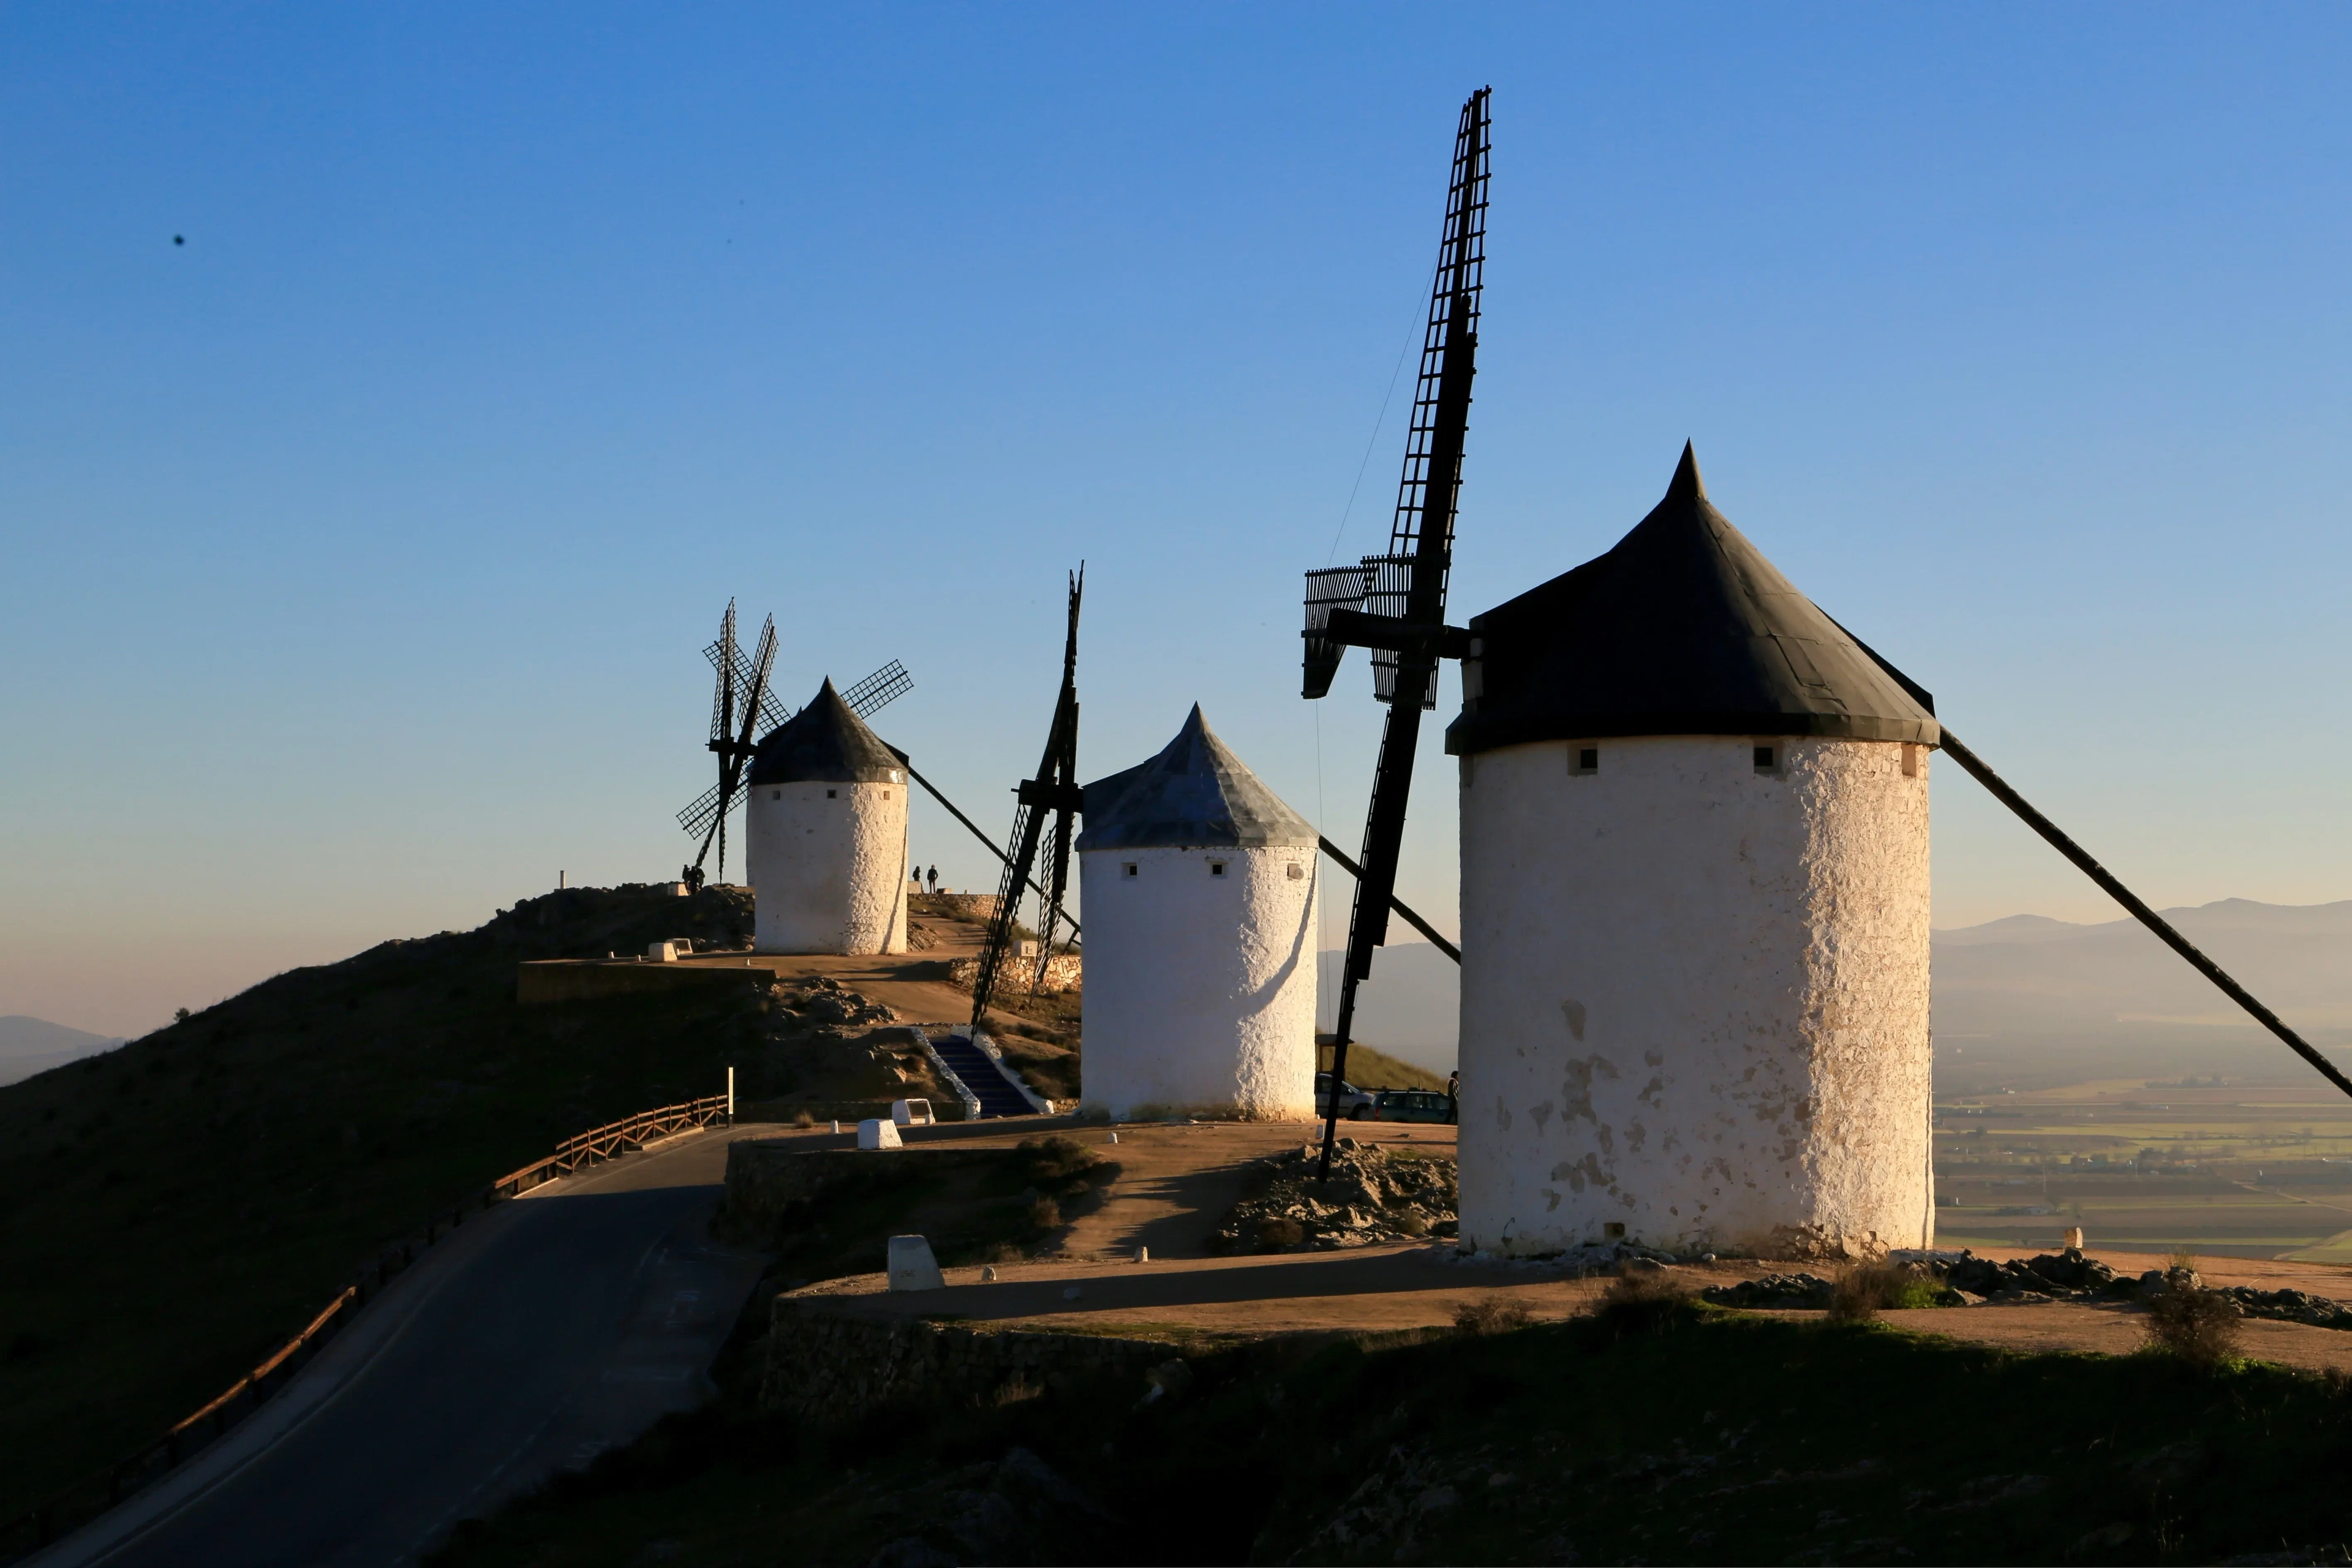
<point x="982" y="1075"/>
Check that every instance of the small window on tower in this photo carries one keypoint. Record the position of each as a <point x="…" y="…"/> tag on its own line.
<point x="1768" y="759"/>
<point x="831" y="793"/>
<point x="1910" y="758"/>
<point x="1613" y="1230"/>
<point x="1584" y="760"/>
<point x="1297" y="872"/>
<point x="1216" y="868"/>
<point x="775" y="794"/>
<point x="1128" y="869"/>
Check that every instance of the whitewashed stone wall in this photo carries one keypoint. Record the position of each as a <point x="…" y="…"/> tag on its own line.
<point x="828" y="866"/>
<point x="1694" y="996"/>
<point x="1200" y="989"/>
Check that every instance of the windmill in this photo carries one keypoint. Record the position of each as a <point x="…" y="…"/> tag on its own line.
<point x="1054" y="791"/>
<point x="1405" y="626"/>
<point x="742" y="709"/>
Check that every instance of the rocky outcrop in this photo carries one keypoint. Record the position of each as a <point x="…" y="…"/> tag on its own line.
<point x="1780" y="1293"/>
<point x="2288" y="1307"/>
<point x="1373" y="1194"/>
<point x="1017" y="1508"/>
<point x="823" y="1003"/>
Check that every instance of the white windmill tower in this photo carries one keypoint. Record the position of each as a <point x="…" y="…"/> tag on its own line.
<point x="1694" y="910"/>
<point x="826" y="829"/>
<point x="1199" y="892"/>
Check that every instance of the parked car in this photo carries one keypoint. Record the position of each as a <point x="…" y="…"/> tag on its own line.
<point x="1355" y="1104"/>
<point x="1411" y="1105"/>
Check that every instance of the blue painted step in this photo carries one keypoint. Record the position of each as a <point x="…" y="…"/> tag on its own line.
<point x="980" y="1075"/>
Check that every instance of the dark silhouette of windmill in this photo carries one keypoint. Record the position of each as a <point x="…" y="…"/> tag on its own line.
<point x="1405" y="625"/>
<point x="743" y="708"/>
<point x="1054" y="793"/>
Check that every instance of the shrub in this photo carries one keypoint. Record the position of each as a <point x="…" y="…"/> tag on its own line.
<point x="2201" y="1327"/>
<point x="1045" y="1214"/>
<point x="1409" y="1221"/>
<point x="1862" y="1293"/>
<point x="1647" y="1302"/>
<point x="1275" y="1233"/>
<point x="1055" y="1158"/>
<point x="1491" y="1315"/>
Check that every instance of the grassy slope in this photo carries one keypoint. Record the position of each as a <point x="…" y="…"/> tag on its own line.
<point x="1719" y="1438"/>
<point x="171" y="1211"/>
<point x="1371" y="1068"/>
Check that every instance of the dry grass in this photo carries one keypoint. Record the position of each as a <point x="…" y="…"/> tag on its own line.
<point x="1491" y="1315"/>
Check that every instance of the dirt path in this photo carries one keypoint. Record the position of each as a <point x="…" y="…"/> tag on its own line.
<point x="1177" y="1183"/>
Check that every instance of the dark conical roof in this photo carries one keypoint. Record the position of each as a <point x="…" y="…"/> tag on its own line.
<point x="1195" y="793"/>
<point x="1683" y="628"/>
<point x="825" y="743"/>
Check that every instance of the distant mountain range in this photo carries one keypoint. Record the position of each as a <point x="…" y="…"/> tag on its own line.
<point x="30" y="1046"/>
<point x="2026" y="999"/>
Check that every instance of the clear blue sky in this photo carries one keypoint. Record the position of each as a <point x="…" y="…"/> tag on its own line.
<point x="358" y="552"/>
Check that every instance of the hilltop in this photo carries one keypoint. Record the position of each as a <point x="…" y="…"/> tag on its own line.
<point x="173" y="1208"/>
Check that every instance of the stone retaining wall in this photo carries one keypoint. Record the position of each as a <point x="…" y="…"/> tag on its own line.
<point x="955" y="906"/>
<point x="823" y="1364"/>
<point x="763" y="1179"/>
<point x="767" y="1177"/>
<point x="1064" y="972"/>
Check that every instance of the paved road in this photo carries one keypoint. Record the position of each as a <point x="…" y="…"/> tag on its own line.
<point x="549" y="1329"/>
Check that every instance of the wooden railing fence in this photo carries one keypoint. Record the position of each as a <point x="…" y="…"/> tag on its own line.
<point x="36" y="1527"/>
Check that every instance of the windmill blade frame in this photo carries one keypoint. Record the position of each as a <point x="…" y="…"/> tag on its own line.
<point x="1054" y="790"/>
<point x="880" y="689"/>
<point x="1404" y="622"/>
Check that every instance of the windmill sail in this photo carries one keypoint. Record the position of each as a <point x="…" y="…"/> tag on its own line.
<point x="1054" y="791"/>
<point x="1404" y="590"/>
<point x="746" y="695"/>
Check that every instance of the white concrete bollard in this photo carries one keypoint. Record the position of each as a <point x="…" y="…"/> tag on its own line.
<point x="1143" y="1255"/>
<point x="2074" y="1236"/>
<point x="988" y="1275"/>
<point x="875" y="1133"/>
<point x="837" y="1124"/>
<point x="1113" y="1137"/>
<point x="913" y="1114"/>
<point x="912" y="1267"/>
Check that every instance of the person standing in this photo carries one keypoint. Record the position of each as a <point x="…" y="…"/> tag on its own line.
<point x="1453" y="1096"/>
<point x="935" y="880"/>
